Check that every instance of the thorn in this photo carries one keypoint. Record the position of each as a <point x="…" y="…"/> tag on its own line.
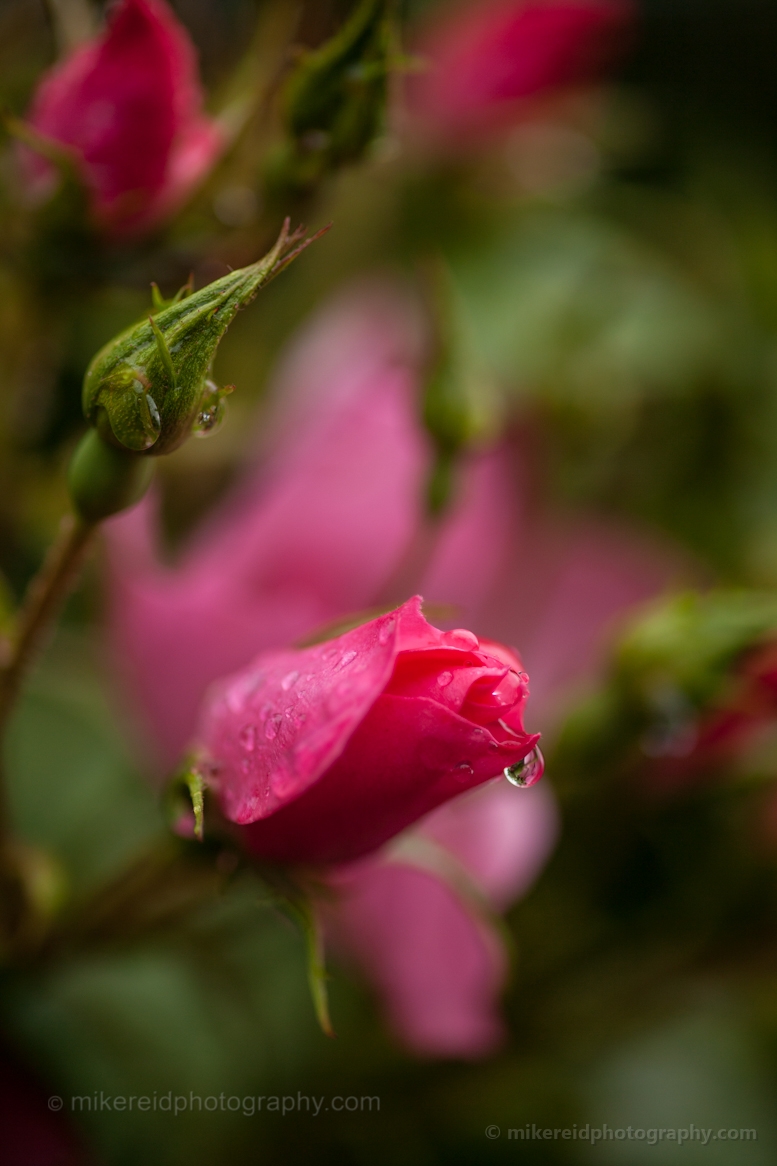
<point x="157" y="299"/>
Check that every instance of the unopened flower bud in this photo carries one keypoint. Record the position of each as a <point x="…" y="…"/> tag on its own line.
<point x="333" y="103"/>
<point x="148" y="389"/>
<point x="459" y="407"/>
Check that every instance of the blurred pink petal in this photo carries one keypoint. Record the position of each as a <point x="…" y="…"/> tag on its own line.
<point x="437" y="966"/>
<point x="485" y="58"/>
<point x="129" y="103"/>
<point x="433" y="954"/>
<point x="526" y="578"/>
<point x="500" y="835"/>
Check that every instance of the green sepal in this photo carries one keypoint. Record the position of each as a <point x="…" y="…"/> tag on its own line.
<point x="186" y="791"/>
<point x="297" y="902"/>
<point x="145" y="388"/>
<point x="196" y="787"/>
<point x="104" y="479"/>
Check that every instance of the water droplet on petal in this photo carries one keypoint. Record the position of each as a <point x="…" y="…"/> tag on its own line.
<point x="461" y="638"/>
<point x="463" y="771"/>
<point x="282" y="781"/>
<point x="346" y="659"/>
<point x="526" y="771"/>
<point x="272" y="726"/>
<point x="385" y="633"/>
<point x="245" y="765"/>
<point x="289" y="680"/>
<point x="444" y="679"/>
<point x="247" y="738"/>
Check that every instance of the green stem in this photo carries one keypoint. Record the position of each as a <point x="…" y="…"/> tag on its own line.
<point x="42" y="602"/>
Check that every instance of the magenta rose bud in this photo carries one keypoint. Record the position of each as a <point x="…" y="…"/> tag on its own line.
<point x="486" y="58"/>
<point x="129" y="104"/>
<point x="324" y="753"/>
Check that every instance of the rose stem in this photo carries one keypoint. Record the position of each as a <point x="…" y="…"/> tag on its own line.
<point x="43" y="599"/>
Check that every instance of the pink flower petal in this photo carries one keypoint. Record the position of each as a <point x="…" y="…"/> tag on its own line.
<point x="500" y="835"/>
<point x="487" y="57"/>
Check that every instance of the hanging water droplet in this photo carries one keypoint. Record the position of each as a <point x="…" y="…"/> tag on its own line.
<point x="289" y="680"/>
<point x="247" y="737"/>
<point x="272" y="726"/>
<point x="444" y="679"/>
<point x="211" y="410"/>
<point x="526" y="771"/>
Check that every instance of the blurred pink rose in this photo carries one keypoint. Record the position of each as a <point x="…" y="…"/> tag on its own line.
<point x="36" y="1130"/>
<point x="325" y="753"/>
<point x="331" y="523"/>
<point x="484" y="59"/>
<point x="129" y="104"/>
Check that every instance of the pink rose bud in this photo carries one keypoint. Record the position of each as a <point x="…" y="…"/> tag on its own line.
<point x="129" y="103"/>
<point x="488" y="57"/>
<point x="324" y="753"/>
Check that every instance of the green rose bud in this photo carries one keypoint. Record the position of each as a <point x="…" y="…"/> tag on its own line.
<point x="150" y="388"/>
<point x="333" y="102"/>
<point x="459" y="406"/>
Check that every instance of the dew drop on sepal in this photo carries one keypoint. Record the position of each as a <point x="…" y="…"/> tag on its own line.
<point x="526" y="771"/>
<point x="211" y="409"/>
